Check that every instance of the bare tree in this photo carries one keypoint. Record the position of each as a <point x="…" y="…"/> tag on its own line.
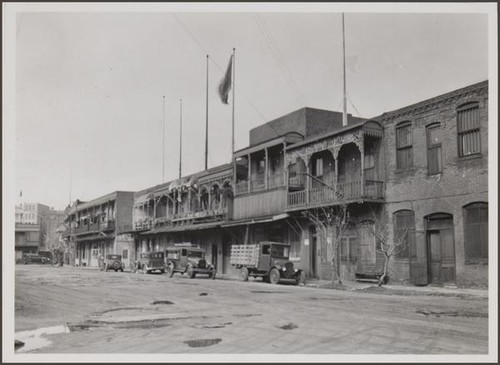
<point x="334" y="219"/>
<point x="387" y="247"/>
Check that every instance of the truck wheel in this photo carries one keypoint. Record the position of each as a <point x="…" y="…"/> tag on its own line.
<point x="190" y="272"/>
<point x="301" y="278"/>
<point x="170" y="270"/>
<point x="244" y="274"/>
<point x="274" y="276"/>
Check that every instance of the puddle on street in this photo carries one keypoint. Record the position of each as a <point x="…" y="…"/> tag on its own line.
<point x="289" y="326"/>
<point x="162" y="302"/>
<point x="35" y="339"/>
<point x="203" y="342"/>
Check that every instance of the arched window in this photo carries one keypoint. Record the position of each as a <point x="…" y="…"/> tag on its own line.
<point x="404" y="232"/>
<point x="404" y="146"/>
<point x="434" y="161"/>
<point x="468" y="128"/>
<point x="476" y="232"/>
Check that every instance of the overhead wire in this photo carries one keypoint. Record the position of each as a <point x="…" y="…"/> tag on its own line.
<point x="287" y="74"/>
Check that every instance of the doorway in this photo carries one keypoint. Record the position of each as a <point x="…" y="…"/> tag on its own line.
<point x="214" y="255"/>
<point x="313" y="242"/>
<point x="440" y="249"/>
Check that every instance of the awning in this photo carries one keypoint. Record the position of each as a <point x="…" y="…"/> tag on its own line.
<point x="191" y="227"/>
<point x="256" y="221"/>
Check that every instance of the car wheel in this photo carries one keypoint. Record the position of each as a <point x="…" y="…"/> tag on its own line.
<point x="211" y="274"/>
<point x="301" y="278"/>
<point x="170" y="270"/>
<point x="190" y="272"/>
<point x="274" y="276"/>
<point x="244" y="274"/>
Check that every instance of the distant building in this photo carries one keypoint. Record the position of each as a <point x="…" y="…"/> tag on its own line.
<point x="27" y="239"/>
<point x="98" y="227"/>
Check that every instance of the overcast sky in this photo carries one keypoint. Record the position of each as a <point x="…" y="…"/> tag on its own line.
<point x="89" y="86"/>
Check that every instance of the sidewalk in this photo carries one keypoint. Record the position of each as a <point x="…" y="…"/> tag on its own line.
<point x="395" y="289"/>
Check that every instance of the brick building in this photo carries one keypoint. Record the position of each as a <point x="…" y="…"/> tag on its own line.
<point x="97" y="228"/>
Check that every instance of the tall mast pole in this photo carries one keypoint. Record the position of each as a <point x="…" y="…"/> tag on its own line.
<point x="344" y="111"/>
<point x="180" y="141"/>
<point x="70" y="178"/>
<point x="206" y="125"/>
<point x="234" y="72"/>
<point x="163" y="145"/>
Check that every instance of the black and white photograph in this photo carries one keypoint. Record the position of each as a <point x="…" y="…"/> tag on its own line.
<point x="250" y="182"/>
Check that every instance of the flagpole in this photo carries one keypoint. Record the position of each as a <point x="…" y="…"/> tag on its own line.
<point x="344" y="111"/>
<point x="180" y="141"/>
<point x="163" y="144"/>
<point x="206" y="125"/>
<point x="234" y="72"/>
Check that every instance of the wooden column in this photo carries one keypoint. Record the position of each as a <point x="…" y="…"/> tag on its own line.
<point x="154" y="207"/>
<point x="266" y="171"/>
<point x="308" y="181"/>
<point x="362" y="154"/>
<point x="249" y="157"/>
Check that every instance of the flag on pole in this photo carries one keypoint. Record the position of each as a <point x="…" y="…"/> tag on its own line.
<point x="225" y="83"/>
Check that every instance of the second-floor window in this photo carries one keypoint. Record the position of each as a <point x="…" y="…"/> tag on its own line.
<point x="469" y="139"/>
<point x="434" y="163"/>
<point x="404" y="146"/>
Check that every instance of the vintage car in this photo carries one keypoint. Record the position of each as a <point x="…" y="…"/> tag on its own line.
<point x="112" y="262"/>
<point x="190" y="260"/>
<point x="268" y="260"/>
<point x="29" y="259"/>
<point x="151" y="261"/>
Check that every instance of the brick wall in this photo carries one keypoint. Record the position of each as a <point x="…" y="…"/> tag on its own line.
<point x="463" y="179"/>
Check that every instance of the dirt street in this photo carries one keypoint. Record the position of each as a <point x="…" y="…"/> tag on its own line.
<point x="137" y="313"/>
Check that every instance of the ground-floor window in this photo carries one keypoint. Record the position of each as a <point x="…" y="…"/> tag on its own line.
<point x="476" y="232"/>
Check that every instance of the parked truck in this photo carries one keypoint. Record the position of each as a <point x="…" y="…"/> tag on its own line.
<point x="268" y="260"/>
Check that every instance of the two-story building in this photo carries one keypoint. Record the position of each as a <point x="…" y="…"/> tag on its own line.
<point x="437" y="186"/>
<point x="99" y="227"/>
<point x="190" y="209"/>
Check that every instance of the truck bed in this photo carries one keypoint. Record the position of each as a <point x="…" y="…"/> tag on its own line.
<point x="245" y="255"/>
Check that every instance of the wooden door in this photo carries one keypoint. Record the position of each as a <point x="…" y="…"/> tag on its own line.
<point x="214" y="255"/>
<point x="447" y="255"/>
<point x="434" y="243"/>
<point x="313" y="242"/>
<point x="418" y="262"/>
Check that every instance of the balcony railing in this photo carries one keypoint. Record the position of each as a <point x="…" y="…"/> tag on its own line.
<point x="342" y="191"/>
<point x="108" y="225"/>
<point x="258" y="183"/>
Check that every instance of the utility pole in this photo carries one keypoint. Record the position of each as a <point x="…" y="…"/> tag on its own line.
<point x="206" y="125"/>
<point x="344" y="111"/>
<point x="180" y="141"/>
<point x="234" y="73"/>
<point x="163" y="145"/>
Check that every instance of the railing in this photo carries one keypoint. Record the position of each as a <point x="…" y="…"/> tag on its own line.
<point x="258" y="183"/>
<point x="108" y="225"/>
<point x="341" y="192"/>
<point x="241" y="187"/>
<point x="297" y="181"/>
<point x="296" y="199"/>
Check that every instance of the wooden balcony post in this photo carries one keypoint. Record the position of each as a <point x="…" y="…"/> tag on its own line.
<point x="155" y="203"/>
<point x="249" y="157"/>
<point x="362" y="152"/>
<point x="308" y="182"/>
<point x="266" y="171"/>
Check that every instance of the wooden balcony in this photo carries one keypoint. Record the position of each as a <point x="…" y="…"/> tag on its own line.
<point x="325" y="195"/>
<point x="258" y="184"/>
<point x="108" y="225"/>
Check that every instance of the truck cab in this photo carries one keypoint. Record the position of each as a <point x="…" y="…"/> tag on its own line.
<point x="269" y="260"/>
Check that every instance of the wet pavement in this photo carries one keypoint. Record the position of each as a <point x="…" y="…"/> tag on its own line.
<point x="75" y="310"/>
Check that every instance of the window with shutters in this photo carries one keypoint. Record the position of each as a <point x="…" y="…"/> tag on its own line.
<point x="434" y="161"/>
<point x="404" y="232"/>
<point x="476" y="232"/>
<point x="469" y="138"/>
<point x="404" y="146"/>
